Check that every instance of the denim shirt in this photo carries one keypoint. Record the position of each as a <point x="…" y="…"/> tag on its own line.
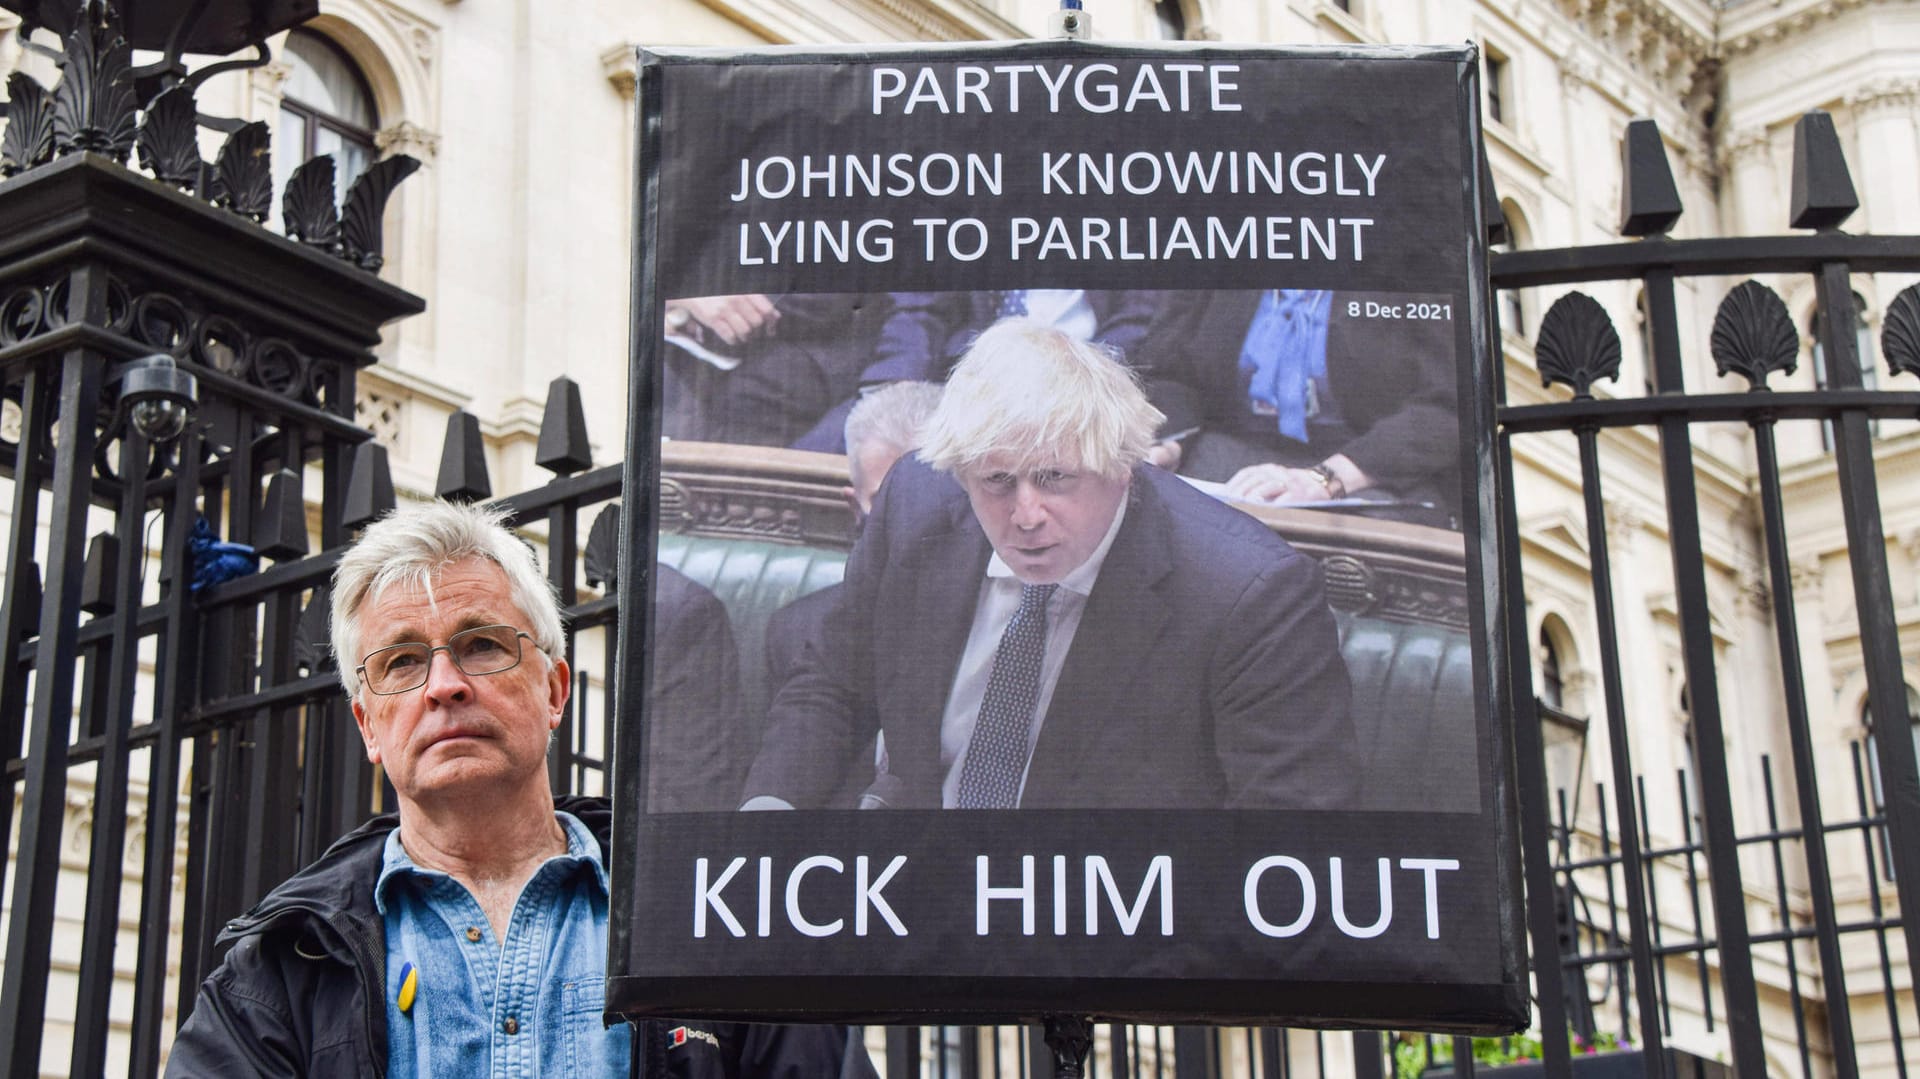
<point x="527" y="1006"/>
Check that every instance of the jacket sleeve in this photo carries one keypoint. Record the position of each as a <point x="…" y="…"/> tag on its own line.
<point x="1281" y="696"/>
<point x="242" y="1022"/>
<point x="1164" y="358"/>
<point x="913" y="340"/>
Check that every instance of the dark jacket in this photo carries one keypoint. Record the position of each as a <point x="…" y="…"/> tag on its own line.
<point x="696" y="715"/>
<point x="302" y="990"/>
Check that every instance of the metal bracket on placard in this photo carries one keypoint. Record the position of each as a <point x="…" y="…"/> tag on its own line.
<point x="1070" y="22"/>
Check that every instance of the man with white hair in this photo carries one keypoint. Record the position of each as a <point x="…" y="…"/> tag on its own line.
<point x="467" y="935"/>
<point x="884" y="426"/>
<point x="1034" y="618"/>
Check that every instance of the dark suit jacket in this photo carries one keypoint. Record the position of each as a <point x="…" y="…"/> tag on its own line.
<point x="1395" y="381"/>
<point x="1206" y="671"/>
<point x="792" y="632"/>
<point x="700" y="747"/>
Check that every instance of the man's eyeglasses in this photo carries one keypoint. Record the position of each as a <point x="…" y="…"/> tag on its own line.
<point x="400" y="668"/>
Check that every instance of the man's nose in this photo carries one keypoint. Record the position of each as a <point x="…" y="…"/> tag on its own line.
<point x="1029" y="509"/>
<point x="446" y="682"/>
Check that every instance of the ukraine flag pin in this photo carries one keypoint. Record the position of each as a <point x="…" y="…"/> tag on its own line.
<point x="409" y="983"/>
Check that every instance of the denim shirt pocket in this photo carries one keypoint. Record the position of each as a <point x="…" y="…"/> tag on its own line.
<point x="582" y="1001"/>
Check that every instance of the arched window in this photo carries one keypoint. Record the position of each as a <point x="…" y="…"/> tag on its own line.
<point x="1171" y="19"/>
<point x="1552" y="685"/>
<point x="1863" y="346"/>
<point x="325" y="108"/>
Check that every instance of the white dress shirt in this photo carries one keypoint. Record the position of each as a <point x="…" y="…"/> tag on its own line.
<point x="999" y="598"/>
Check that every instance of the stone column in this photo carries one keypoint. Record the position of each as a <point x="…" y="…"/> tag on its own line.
<point x="1885" y="155"/>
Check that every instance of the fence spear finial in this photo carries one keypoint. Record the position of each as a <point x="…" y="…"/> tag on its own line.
<point x="369" y="486"/>
<point x="1649" y="201"/>
<point x="1823" y="194"/>
<point x="280" y="532"/>
<point x="564" y="448"/>
<point x="463" y="461"/>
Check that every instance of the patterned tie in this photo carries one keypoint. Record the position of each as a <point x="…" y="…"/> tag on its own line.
<point x="997" y="753"/>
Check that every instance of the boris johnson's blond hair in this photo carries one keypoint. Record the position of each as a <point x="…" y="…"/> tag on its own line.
<point x="1030" y="394"/>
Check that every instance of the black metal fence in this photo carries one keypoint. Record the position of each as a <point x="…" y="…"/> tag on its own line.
<point x="192" y="732"/>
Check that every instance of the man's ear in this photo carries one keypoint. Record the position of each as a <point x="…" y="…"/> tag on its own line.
<point x="559" y="688"/>
<point x="366" y="730"/>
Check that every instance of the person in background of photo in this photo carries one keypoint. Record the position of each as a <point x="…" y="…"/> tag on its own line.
<point x="766" y="370"/>
<point x="468" y="931"/>
<point x="695" y="713"/>
<point x="1035" y="618"/>
<point x="1301" y="396"/>
<point x="884" y="426"/>
<point x="924" y="333"/>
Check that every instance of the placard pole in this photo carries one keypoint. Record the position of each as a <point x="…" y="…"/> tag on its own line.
<point x="1070" y="22"/>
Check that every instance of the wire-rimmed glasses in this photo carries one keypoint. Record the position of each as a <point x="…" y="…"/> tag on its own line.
<point x="400" y="668"/>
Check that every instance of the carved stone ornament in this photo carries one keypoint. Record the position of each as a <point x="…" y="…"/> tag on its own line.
<point x="1743" y="145"/>
<point x="1624" y="518"/>
<point x="1900" y="339"/>
<point x="243" y="173"/>
<point x="360" y="239"/>
<point x="380" y="413"/>
<point x="93" y="103"/>
<point x="1578" y="344"/>
<point x="306" y="207"/>
<point x="407" y="137"/>
<point x="1576" y="71"/>
<point x="1808" y="575"/>
<point x="29" y="136"/>
<point x="1753" y="335"/>
<point x="169" y="143"/>
<point x="1896" y="97"/>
